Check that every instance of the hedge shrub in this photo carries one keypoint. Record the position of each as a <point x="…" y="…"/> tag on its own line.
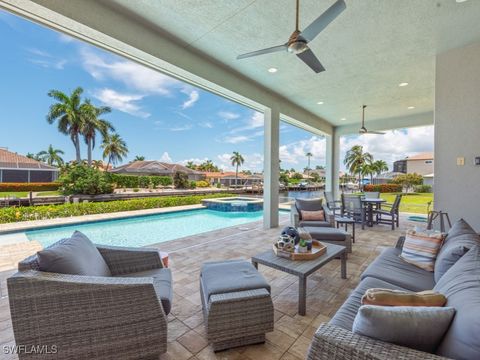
<point x="423" y="188"/>
<point x="383" y="188"/>
<point x="14" y="214"/>
<point x="133" y="181"/>
<point x="85" y="180"/>
<point x="202" y="184"/>
<point x="52" y="186"/>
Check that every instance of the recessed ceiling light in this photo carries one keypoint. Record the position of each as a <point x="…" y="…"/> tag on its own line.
<point x="272" y="70"/>
<point x="411" y="107"/>
<point x="320" y="103"/>
<point x="460" y="1"/>
<point x="403" y="84"/>
<point x="343" y="119"/>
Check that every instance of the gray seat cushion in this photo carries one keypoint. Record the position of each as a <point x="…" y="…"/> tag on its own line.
<point x="461" y="285"/>
<point x="305" y="223"/>
<point x="231" y="276"/>
<point x="388" y="266"/>
<point x="75" y="256"/>
<point x="460" y="239"/>
<point x="308" y="205"/>
<point x="417" y="327"/>
<point x="327" y="233"/>
<point x="345" y="316"/>
<point x="162" y="282"/>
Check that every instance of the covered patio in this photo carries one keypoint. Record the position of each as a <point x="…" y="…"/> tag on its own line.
<point x="414" y="64"/>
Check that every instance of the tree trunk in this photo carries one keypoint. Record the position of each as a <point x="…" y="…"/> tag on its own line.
<point x="89" y="150"/>
<point x="236" y="176"/>
<point x="77" y="149"/>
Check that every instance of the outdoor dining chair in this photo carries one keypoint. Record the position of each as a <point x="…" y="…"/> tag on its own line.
<point x="389" y="213"/>
<point x="353" y="208"/>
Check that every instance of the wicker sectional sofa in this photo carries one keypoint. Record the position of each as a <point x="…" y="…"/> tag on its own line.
<point x="90" y="317"/>
<point x="460" y="284"/>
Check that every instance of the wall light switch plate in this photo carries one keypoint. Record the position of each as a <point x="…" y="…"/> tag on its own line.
<point x="460" y="161"/>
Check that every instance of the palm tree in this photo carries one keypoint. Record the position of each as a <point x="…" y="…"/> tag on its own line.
<point x="91" y="124"/>
<point x="66" y="111"/>
<point x="237" y="160"/>
<point x="308" y="155"/>
<point x="114" y="148"/>
<point x="97" y="164"/>
<point x="191" y="165"/>
<point x="355" y="158"/>
<point x="139" y="158"/>
<point x="51" y="156"/>
<point x="379" y="166"/>
<point x="33" y="156"/>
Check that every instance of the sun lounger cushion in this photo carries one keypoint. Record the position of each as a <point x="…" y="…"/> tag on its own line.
<point x="231" y="276"/>
<point x="75" y="256"/>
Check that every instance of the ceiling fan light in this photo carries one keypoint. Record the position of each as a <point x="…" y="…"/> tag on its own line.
<point x="297" y="47"/>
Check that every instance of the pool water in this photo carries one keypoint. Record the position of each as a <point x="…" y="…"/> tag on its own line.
<point x="150" y="229"/>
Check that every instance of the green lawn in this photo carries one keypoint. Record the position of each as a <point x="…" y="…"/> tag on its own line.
<point x="20" y="194"/>
<point x="412" y="203"/>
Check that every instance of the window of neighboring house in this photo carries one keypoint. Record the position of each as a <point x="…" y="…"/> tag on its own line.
<point x="428" y="161"/>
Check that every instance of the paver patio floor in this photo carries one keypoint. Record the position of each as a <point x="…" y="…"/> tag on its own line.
<point x="292" y="334"/>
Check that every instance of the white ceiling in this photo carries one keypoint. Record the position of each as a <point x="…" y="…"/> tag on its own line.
<point x="367" y="51"/>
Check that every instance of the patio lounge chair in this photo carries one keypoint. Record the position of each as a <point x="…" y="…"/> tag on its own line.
<point x="389" y="213"/>
<point x="311" y="205"/>
<point x="91" y="317"/>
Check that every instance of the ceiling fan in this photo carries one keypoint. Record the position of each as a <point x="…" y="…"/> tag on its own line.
<point x="363" y="129"/>
<point x="297" y="43"/>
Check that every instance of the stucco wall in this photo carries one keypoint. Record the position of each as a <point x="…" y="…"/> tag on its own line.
<point x="419" y="167"/>
<point x="457" y="133"/>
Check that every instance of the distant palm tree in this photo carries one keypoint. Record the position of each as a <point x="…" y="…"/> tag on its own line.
<point x="379" y="166"/>
<point x="114" y="148"/>
<point x="33" y="156"/>
<point x="355" y="159"/>
<point x="308" y="155"/>
<point x="237" y="160"/>
<point x="139" y="158"/>
<point x="191" y="165"/>
<point x="92" y="124"/>
<point x="66" y="111"/>
<point x="97" y="164"/>
<point x="51" y="156"/>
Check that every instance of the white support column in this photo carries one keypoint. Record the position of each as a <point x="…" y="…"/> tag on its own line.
<point x="332" y="163"/>
<point x="271" y="168"/>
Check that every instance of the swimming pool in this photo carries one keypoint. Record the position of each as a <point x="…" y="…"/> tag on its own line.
<point x="150" y="229"/>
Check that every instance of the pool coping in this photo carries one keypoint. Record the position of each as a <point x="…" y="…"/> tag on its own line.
<point x="85" y="219"/>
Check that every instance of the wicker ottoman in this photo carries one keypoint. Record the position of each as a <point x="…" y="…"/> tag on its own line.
<point x="237" y="306"/>
<point x="330" y="235"/>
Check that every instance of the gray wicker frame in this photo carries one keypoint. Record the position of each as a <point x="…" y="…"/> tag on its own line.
<point x="237" y="318"/>
<point x="89" y="317"/>
<point x="295" y="217"/>
<point x="334" y="343"/>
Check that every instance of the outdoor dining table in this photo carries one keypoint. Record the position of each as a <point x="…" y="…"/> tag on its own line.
<point x="369" y="202"/>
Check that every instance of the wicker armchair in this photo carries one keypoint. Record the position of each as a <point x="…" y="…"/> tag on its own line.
<point x="90" y="317"/>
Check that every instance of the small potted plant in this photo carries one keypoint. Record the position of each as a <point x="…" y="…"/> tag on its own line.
<point x="302" y="246"/>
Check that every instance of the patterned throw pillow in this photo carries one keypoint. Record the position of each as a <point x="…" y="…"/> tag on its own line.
<point x="421" y="248"/>
<point x="318" y="215"/>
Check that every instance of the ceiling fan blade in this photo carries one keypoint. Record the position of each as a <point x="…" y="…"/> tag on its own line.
<point x="312" y="30"/>
<point x="373" y="132"/>
<point x="309" y="58"/>
<point x="263" y="51"/>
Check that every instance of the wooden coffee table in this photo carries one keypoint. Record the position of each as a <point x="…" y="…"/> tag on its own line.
<point x="302" y="268"/>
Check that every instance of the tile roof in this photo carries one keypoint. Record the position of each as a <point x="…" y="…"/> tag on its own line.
<point x="11" y="160"/>
<point x="421" y="156"/>
<point x="152" y="167"/>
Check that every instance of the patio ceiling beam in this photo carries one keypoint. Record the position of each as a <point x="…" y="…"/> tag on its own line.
<point x="107" y="25"/>
<point x="422" y="119"/>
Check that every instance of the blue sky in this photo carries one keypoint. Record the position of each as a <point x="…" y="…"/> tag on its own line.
<point x="158" y="116"/>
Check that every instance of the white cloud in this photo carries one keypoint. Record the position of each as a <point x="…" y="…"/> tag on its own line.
<point x="133" y="75"/>
<point x="46" y="60"/>
<point x="394" y="145"/>
<point x="227" y="115"/>
<point x="236" y="139"/>
<point x="294" y="153"/>
<point x="166" y="157"/>
<point x="196" y="161"/>
<point x="123" y="102"/>
<point x="181" y="127"/>
<point x="65" y="38"/>
<point x="206" y="124"/>
<point x="247" y="131"/>
<point x="193" y="97"/>
<point x="253" y="162"/>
